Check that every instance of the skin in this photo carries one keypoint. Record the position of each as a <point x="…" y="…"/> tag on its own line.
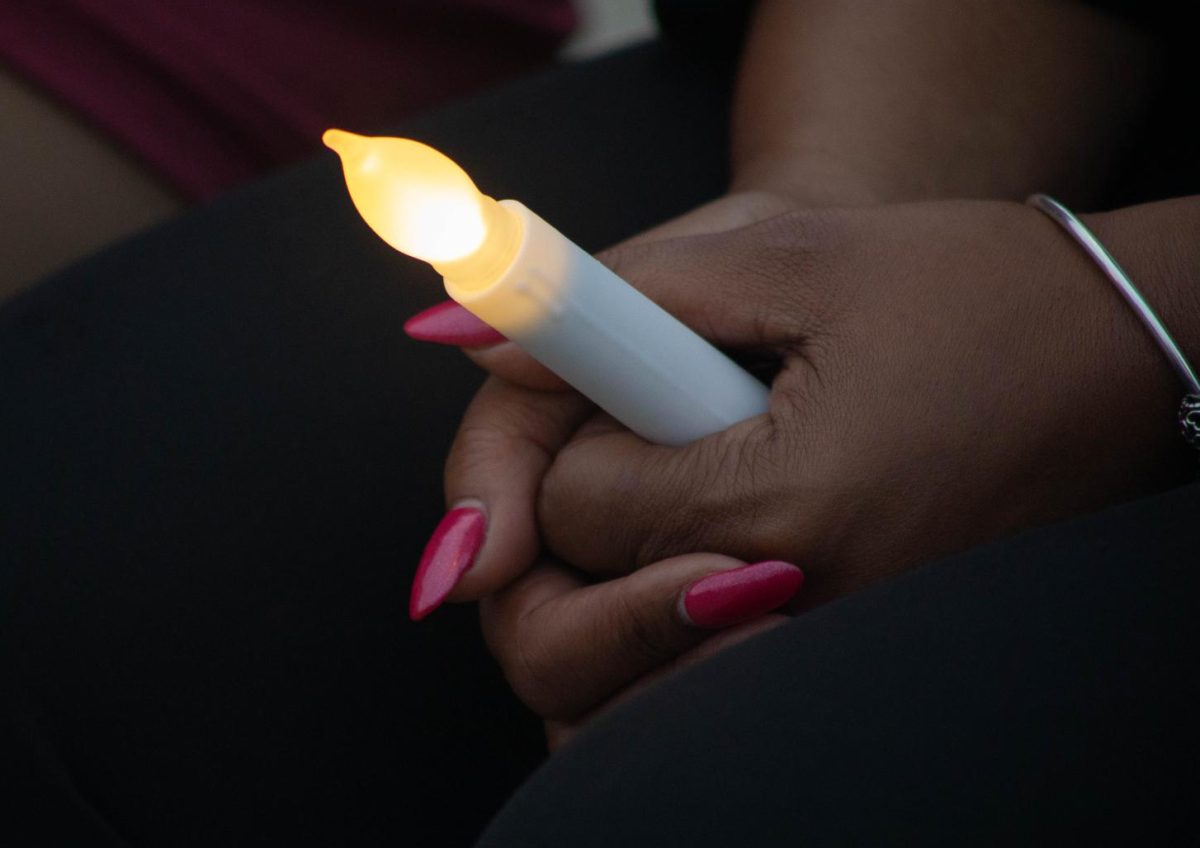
<point x="856" y="101"/>
<point x="947" y="371"/>
<point x="76" y="191"/>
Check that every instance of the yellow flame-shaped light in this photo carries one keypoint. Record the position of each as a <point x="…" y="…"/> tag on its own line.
<point x="415" y="198"/>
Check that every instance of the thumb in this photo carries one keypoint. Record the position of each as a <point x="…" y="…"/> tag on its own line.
<point x="754" y="286"/>
<point x="507" y="439"/>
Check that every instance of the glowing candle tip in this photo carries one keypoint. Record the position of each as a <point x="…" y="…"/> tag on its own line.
<point x="417" y="199"/>
<point x="340" y="141"/>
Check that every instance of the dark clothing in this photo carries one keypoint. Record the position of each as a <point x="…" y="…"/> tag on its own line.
<point x="1040" y="691"/>
<point x="221" y="459"/>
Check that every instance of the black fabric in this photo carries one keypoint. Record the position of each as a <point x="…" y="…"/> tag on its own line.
<point x="220" y="462"/>
<point x="713" y="20"/>
<point x="1040" y="691"/>
<point x="708" y="26"/>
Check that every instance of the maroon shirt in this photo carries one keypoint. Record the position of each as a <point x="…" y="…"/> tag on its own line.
<point x="208" y="93"/>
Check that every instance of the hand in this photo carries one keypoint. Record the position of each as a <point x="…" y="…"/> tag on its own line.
<point x="948" y="372"/>
<point x="567" y="647"/>
<point x="837" y="145"/>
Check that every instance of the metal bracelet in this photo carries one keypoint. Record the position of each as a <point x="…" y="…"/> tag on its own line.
<point x="1189" y="410"/>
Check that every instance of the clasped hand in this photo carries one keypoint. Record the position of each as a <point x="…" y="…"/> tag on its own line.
<point x="941" y="373"/>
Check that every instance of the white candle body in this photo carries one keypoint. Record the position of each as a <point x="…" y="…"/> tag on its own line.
<point x="608" y="340"/>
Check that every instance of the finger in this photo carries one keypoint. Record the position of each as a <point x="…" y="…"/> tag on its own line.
<point x="612" y="502"/>
<point x="448" y="323"/>
<point x="511" y="364"/>
<point x="507" y="439"/>
<point x="763" y="285"/>
<point x="560" y="732"/>
<point x="565" y="646"/>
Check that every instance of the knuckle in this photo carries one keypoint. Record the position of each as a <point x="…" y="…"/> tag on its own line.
<point x="510" y="411"/>
<point x="686" y="527"/>
<point x="589" y="529"/>
<point x="476" y="444"/>
<point x="795" y="257"/>
<point x="695" y="510"/>
<point x="514" y="438"/>
<point x="767" y="474"/>
<point x="736" y="501"/>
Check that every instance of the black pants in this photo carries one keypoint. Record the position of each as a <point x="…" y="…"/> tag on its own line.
<point x="220" y="458"/>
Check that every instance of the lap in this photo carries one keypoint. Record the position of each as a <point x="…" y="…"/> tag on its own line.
<point x="1039" y="690"/>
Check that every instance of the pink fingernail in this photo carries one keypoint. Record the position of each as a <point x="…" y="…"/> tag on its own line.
<point x="450" y="324"/>
<point x="449" y="555"/>
<point x="740" y="594"/>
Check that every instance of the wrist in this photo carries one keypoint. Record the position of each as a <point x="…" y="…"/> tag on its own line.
<point x="1155" y="244"/>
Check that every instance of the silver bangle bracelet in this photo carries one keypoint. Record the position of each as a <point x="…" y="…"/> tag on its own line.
<point x="1189" y="410"/>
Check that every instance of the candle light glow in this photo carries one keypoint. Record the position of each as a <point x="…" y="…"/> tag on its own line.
<point x="417" y="199"/>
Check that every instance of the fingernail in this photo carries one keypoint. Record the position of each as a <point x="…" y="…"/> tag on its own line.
<point x="448" y="556"/>
<point x="740" y="594"/>
<point x="450" y="324"/>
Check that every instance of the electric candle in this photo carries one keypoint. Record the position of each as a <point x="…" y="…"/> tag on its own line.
<point x="566" y="309"/>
